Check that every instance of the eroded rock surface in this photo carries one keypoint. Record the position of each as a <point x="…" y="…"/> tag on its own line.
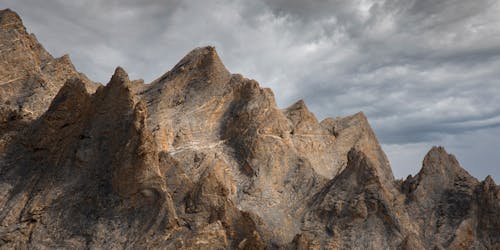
<point x="204" y="159"/>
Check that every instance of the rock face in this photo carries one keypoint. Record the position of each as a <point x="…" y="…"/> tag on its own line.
<point x="29" y="76"/>
<point x="202" y="158"/>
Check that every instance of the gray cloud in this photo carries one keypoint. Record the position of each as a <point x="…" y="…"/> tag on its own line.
<point x="425" y="72"/>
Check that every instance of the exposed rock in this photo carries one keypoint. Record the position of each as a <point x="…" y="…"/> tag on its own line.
<point x="441" y="198"/>
<point x="356" y="209"/>
<point x="489" y="213"/>
<point x="29" y="76"/>
<point x="204" y="159"/>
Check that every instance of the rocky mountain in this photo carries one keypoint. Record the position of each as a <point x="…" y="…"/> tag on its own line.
<point x="204" y="159"/>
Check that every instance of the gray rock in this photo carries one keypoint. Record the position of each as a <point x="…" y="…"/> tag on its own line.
<point x="202" y="158"/>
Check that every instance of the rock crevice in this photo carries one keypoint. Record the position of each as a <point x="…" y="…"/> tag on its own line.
<point x="204" y="159"/>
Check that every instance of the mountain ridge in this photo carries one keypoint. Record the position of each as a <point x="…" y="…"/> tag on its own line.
<point x="202" y="158"/>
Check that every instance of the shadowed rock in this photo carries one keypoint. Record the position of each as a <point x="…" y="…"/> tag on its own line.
<point x="204" y="159"/>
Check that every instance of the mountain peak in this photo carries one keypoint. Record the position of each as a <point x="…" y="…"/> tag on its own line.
<point x="441" y="170"/>
<point x="120" y="84"/>
<point x="202" y="62"/>
<point x="197" y="55"/>
<point x="302" y="119"/>
<point x="300" y="104"/>
<point x="10" y="19"/>
<point x="204" y="159"/>
<point x="30" y="77"/>
<point x="489" y="181"/>
<point x="120" y="76"/>
<point x="438" y="161"/>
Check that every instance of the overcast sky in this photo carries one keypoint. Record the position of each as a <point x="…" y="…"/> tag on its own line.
<point x="425" y="72"/>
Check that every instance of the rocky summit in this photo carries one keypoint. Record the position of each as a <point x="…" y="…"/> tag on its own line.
<point x="204" y="159"/>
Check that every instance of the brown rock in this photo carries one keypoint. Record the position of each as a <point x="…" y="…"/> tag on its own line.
<point x="204" y="159"/>
<point x="30" y="76"/>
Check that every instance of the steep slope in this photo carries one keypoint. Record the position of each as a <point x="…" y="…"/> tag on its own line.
<point x="448" y="204"/>
<point x="202" y="158"/>
<point x="31" y="77"/>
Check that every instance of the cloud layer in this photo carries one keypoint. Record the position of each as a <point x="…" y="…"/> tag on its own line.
<point x="424" y="72"/>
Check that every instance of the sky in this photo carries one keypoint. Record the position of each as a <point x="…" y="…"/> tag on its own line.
<point x="424" y="72"/>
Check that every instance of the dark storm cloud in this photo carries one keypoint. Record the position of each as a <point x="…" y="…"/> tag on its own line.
<point x="423" y="71"/>
<point x="419" y="69"/>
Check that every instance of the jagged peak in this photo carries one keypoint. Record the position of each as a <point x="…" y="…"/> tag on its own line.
<point x="438" y="150"/>
<point x="361" y="173"/>
<point x="301" y="117"/>
<point x="10" y="19"/>
<point x="60" y="63"/>
<point x="360" y="116"/>
<point x="74" y="84"/>
<point x="355" y="157"/>
<point x="335" y="125"/>
<point x="200" y="61"/>
<point x="65" y="113"/>
<point x="489" y="186"/>
<point x="119" y="78"/>
<point x="440" y="171"/>
<point x="438" y="161"/>
<point x="26" y="55"/>
<point x="298" y="106"/>
<point x="488" y="181"/>
<point x="199" y="54"/>
<point x="73" y="93"/>
<point x="118" y="92"/>
<point x="359" y="119"/>
<point x="224" y="148"/>
<point x="358" y="162"/>
<point x="65" y="59"/>
<point x="301" y="106"/>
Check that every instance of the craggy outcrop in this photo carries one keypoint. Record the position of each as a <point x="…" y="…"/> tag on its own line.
<point x="204" y="159"/>
<point x="30" y="76"/>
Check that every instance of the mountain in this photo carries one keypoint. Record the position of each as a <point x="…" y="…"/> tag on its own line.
<point x="204" y="159"/>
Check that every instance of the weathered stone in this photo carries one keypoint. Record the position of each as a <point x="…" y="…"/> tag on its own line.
<point x="29" y="76"/>
<point x="204" y="159"/>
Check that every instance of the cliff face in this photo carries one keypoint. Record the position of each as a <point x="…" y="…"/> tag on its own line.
<point x="202" y="158"/>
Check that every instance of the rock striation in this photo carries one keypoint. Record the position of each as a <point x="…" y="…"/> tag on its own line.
<point x="202" y="158"/>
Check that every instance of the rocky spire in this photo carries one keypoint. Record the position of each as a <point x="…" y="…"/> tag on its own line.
<point x="201" y="159"/>
<point x="29" y="76"/>
<point x="203" y="62"/>
<point x="10" y="20"/>
<point x="440" y="171"/>
<point x="303" y="120"/>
